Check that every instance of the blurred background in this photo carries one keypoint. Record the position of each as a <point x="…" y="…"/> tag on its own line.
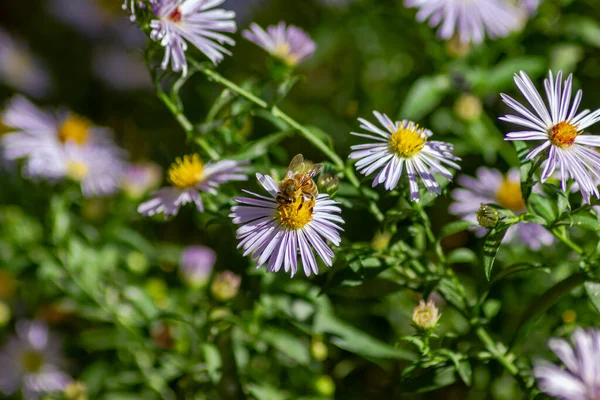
<point x="317" y="338"/>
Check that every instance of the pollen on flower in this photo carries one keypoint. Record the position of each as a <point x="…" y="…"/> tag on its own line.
<point x="32" y="361"/>
<point x="77" y="170"/>
<point x="74" y="129"/>
<point x="509" y="195"/>
<point x="563" y="134"/>
<point x="283" y="51"/>
<point x="408" y="140"/>
<point x="297" y="214"/>
<point x="175" y="16"/>
<point x="186" y="171"/>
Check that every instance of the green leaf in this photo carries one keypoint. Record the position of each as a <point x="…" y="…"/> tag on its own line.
<point x="583" y="28"/>
<point x="262" y="146"/>
<point x="544" y="207"/>
<point x="519" y="268"/>
<point x="455" y="227"/>
<point x="212" y="357"/>
<point x="492" y="243"/>
<point x="288" y="344"/>
<point x="424" y="95"/>
<point x="265" y="391"/>
<point x="526" y="168"/>
<point x="544" y="302"/>
<point x="593" y="291"/>
<point x="462" y="256"/>
<point x="422" y="380"/>
<point x="585" y="221"/>
<point x="501" y="76"/>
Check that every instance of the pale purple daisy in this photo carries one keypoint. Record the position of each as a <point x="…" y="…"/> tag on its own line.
<point x="581" y="378"/>
<point x="288" y="43"/>
<point x="32" y="362"/>
<point x="403" y="145"/>
<point x="189" y="177"/>
<point x="561" y="130"/>
<point x="140" y="178"/>
<point x="470" y="20"/>
<point x="20" y="69"/>
<point x="492" y="187"/>
<point x="62" y="145"/>
<point x="196" y="265"/>
<point x="194" y="21"/>
<point x="275" y="230"/>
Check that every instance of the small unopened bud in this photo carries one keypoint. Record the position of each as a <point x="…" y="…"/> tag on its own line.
<point x="487" y="216"/>
<point x="426" y="315"/>
<point x="196" y="265"/>
<point x="318" y="349"/>
<point x="225" y="286"/>
<point x="76" y="391"/>
<point x="468" y="107"/>
<point x="137" y="262"/>
<point x="325" y="385"/>
<point x="381" y="240"/>
<point x="328" y="183"/>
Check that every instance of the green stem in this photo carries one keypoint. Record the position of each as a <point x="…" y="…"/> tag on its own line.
<point x="563" y="238"/>
<point x="306" y="133"/>
<point x="429" y="232"/>
<point x="187" y="125"/>
<point x="495" y="351"/>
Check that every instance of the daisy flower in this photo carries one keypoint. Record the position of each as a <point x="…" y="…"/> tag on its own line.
<point x="581" y="378"/>
<point x="62" y="145"/>
<point x="288" y="43"/>
<point x="470" y="20"/>
<point x="194" y="21"/>
<point x="492" y="187"/>
<point x="274" y="231"/>
<point x="189" y="177"/>
<point x="403" y="145"/>
<point x="21" y="69"/>
<point x="561" y="129"/>
<point x="196" y="265"/>
<point x="31" y="361"/>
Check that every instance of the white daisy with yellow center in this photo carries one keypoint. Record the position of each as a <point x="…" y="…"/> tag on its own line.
<point x="189" y="176"/>
<point x="403" y="145"/>
<point x="275" y="232"/>
<point x="561" y="129"/>
<point x="62" y="146"/>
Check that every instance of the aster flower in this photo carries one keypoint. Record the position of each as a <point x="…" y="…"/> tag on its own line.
<point x="581" y="378"/>
<point x="196" y="264"/>
<point x="63" y="145"/>
<point x="561" y="129"/>
<point x="140" y="178"/>
<point x="289" y="43"/>
<point x="194" y="21"/>
<point x="469" y="19"/>
<point x="403" y="145"/>
<point x="189" y="176"/>
<point x="275" y="229"/>
<point x="492" y="187"/>
<point x="20" y="69"/>
<point x="32" y="361"/>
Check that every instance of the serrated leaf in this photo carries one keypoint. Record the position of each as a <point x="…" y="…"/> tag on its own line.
<point x="424" y="95"/>
<point x="592" y="289"/>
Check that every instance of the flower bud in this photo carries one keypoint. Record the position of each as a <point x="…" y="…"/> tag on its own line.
<point x="328" y="183"/>
<point x="225" y="286"/>
<point x="137" y="262"/>
<point x="468" y="107"/>
<point x="325" y="385"/>
<point x="426" y="316"/>
<point x="381" y="240"/>
<point x="318" y="349"/>
<point x="196" y="265"/>
<point x="487" y="216"/>
<point x="76" y="391"/>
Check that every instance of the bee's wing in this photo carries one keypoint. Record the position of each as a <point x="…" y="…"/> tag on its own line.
<point x="296" y="166"/>
<point x="314" y="170"/>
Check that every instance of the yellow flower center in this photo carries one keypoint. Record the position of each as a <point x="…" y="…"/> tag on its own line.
<point x="297" y="214"/>
<point x="74" y="129"/>
<point x="408" y="140"/>
<point x="283" y="51"/>
<point x="32" y="361"/>
<point x="77" y="170"/>
<point x="509" y="195"/>
<point x="186" y="171"/>
<point x="563" y="134"/>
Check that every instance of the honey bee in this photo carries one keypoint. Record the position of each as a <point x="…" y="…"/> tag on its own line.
<point x="298" y="185"/>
